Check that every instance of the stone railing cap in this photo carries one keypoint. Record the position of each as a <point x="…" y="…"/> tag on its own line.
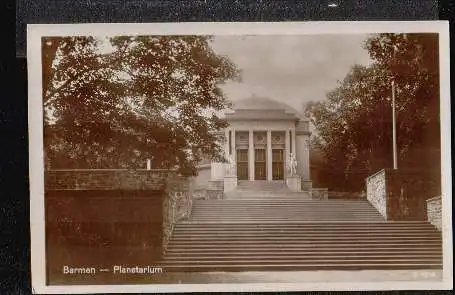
<point x="375" y="174"/>
<point x="100" y="170"/>
<point x="434" y="198"/>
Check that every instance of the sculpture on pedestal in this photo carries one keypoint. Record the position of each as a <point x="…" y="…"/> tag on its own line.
<point x="292" y="164"/>
<point x="231" y="167"/>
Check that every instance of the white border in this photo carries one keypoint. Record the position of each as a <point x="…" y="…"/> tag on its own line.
<point x="34" y="34"/>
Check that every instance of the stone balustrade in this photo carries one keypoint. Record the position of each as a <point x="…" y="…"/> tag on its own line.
<point x="177" y="206"/>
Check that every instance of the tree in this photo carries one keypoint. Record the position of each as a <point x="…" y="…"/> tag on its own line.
<point x="354" y="124"/>
<point x="114" y="103"/>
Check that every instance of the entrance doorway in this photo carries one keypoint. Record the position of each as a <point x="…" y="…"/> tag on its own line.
<point x="260" y="165"/>
<point x="242" y="164"/>
<point x="277" y="164"/>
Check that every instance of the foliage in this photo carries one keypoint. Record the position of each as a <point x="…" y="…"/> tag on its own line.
<point x="114" y="103"/>
<point x="354" y="124"/>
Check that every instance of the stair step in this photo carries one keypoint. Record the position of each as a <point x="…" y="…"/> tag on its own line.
<point x="273" y="220"/>
<point x="309" y="261"/>
<point x="265" y="226"/>
<point x="303" y="225"/>
<point x="301" y="244"/>
<point x="268" y="246"/>
<point x="302" y="251"/>
<point x="301" y="236"/>
<point x="332" y="224"/>
<point x="309" y="257"/>
<point x="301" y="266"/>
<point x="251" y="231"/>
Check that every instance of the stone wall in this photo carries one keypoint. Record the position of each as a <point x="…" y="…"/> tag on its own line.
<point x="180" y="194"/>
<point x="177" y="204"/>
<point x="97" y="218"/>
<point x="401" y="194"/>
<point x="105" y="179"/>
<point x="377" y="193"/>
<point x="434" y="212"/>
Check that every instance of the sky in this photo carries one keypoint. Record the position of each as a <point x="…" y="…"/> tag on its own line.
<point x="293" y="69"/>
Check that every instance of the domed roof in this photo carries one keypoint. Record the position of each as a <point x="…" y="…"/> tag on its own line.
<point x="262" y="103"/>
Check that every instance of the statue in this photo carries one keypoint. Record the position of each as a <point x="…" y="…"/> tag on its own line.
<point x="292" y="164"/>
<point x="231" y="168"/>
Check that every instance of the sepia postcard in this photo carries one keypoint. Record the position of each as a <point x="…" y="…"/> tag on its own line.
<point x="192" y="157"/>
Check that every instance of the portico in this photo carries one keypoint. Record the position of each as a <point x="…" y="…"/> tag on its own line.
<point x="260" y="154"/>
<point x="261" y="135"/>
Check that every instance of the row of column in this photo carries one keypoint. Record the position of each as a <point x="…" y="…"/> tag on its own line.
<point x="290" y="146"/>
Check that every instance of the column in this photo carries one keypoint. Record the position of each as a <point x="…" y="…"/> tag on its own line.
<point x="269" y="155"/>
<point x="234" y="151"/>
<point x="226" y="143"/>
<point x="300" y="155"/>
<point x="306" y="159"/>
<point x="286" y="152"/>
<point x="293" y="141"/>
<point x="251" y="155"/>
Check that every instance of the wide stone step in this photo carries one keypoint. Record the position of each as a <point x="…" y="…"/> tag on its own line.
<point x="302" y="262"/>
<point x="310" y="257"/>
<point x="304" y="251"/>
<point x="265" y="217"/>
<point x="285" y="235"/>
<point x="270" y="214"/>
<point x="302" y="246"/>
<point x="327" y="231"/>
<point x="179" y="234"/>
<point x="282" y="206"/>
<point x="301" y="225"/>
<point x="279" y="202"/>
<point x="282" y="202"/>
<point x="285" y="239"/>
<point x="307" y="241"/>
<point x="301" y="267"/>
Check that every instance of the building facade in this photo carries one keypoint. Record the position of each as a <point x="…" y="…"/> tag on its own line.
<point x="262" y="136"/>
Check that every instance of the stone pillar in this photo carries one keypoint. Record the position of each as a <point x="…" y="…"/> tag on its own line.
<point x="294" y="183"/>
<point x="217" y="171"/>
<point x="250" y="155"/>
<point x="303" y="153"/>
<point x="269" y="155"/>
<point x="230" y="183"/>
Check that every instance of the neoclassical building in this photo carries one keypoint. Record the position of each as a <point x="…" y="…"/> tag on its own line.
<point x="262" y="135"/>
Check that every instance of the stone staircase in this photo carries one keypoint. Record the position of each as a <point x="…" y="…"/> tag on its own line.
<point x="263" y="189"/>
<point x="267" y="228"/>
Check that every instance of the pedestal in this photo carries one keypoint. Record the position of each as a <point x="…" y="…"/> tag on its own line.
<point x="230" y="183"/>
<point x="307" y="185"/>
<point x="294" y="183"/>
<point x="319" y="194"/>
